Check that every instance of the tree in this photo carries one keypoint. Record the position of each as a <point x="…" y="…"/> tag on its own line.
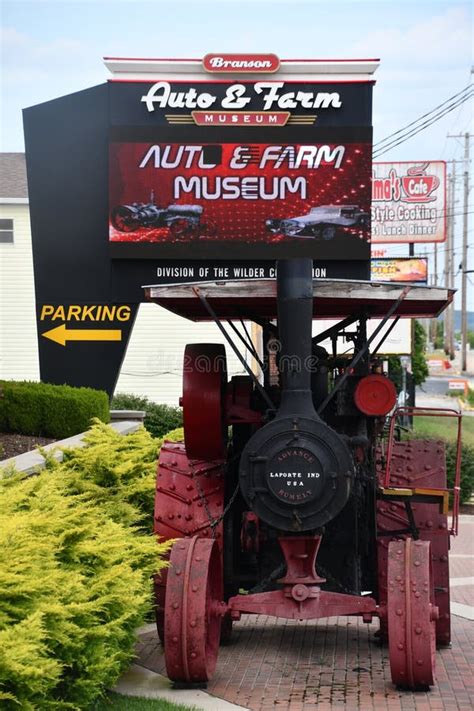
<point x="395" y="371"/>
<point x="419" y="365"/>
<point x="439" y="340"/>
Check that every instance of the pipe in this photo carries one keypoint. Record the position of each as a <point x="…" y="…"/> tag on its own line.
<point x="295" y="316"/>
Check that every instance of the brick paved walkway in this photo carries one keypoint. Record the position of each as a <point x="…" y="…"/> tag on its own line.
<point x="461" y="563"/>
<point x="332" y="664"/>
<point x="336" y="663"/>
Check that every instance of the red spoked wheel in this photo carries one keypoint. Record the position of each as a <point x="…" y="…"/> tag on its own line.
<point x="193" y="610"/>
<point x="411" y="614"/>
<point x="204" y="381"/>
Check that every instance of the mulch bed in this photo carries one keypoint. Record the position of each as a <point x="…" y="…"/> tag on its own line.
<point x="12" y="444"/>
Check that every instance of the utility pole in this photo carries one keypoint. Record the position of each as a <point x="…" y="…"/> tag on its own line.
<point x="451" y="264"/>
<point x="464" y="265"/>
<point x="446" y="260"/>
<point x="448" y="263"/>
<point x="434" y="281"/>
<point x="464" y="257"/>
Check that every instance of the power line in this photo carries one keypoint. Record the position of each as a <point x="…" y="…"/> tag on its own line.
<point x="401" y="130"/>
<point x="423" y="126"/>
<point x="429" y="254"/>
<point x="446" y="213"/>
<point x="405" y="132"/>
<point x="380" y="151"/>
<point x="394" y="143"/>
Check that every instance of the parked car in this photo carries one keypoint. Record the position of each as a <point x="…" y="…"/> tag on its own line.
<point x="324" y="221"/>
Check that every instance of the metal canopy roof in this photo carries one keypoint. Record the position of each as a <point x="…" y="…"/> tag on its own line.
<point x="333" y="298"/>
<point x="143" y="69"/>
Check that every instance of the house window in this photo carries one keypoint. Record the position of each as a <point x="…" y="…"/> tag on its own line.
<point x="6" y="231"/>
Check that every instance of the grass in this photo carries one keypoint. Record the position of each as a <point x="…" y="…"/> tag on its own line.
<point x="444" y="428"/>
<point x="116" y="702"/>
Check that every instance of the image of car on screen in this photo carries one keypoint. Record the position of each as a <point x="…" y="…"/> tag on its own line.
<point x="183" y="221"/>
<point x="325" y="221"/>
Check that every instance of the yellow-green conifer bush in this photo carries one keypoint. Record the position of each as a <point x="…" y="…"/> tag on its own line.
<point x="76" y="558"/>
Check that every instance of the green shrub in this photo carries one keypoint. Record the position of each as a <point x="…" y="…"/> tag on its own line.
<point x="467" y="469"/>
<point x="116" y="471"/>
<point x="395" y="371"/>
<point x="47" y="410"/>
<point x="76" y="559"/>
<point x="419" y="366"/>
<point x="159" y="419"/>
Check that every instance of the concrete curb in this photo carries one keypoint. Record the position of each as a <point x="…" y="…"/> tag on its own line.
<point x="141" y="682"/>
<point x="461" y="610"/>
<point x="32" y="462"/>
<point x="129" y="415"/>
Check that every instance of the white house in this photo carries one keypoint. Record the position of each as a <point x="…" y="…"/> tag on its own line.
<point x="18" y="346"/>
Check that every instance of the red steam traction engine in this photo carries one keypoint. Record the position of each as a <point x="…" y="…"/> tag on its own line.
<point x="291" y="486"/>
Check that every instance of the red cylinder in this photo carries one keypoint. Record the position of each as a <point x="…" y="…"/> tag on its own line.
<point x="375" y="395"/>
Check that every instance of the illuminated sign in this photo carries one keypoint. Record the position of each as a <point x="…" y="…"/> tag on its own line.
<point x="241" y="63"/>
<point x="260" y="169"/>
<point x="240" y="194"/>
<point x="409" y="202"/>
<point x="410" y="269"/>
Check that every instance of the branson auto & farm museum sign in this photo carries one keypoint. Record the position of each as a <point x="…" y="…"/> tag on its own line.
<point x="180" y="167"/>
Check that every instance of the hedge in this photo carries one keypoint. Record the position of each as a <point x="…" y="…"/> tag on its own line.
<point x="159" y="419"/>
<point x="76" y="559"/>
<point x="47" y="410"/>
<point x="467" y="469"/>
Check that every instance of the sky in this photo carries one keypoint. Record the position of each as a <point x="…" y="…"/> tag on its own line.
<point x="50" y="49"/>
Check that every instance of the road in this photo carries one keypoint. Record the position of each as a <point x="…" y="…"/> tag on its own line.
<point x="433" y="392"/>
<point x="435" y="385"/>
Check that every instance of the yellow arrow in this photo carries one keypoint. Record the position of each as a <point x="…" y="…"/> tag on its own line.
<point x="61" y="334"/>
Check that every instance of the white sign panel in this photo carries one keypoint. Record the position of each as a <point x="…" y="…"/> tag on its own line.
<point x="397" y="343"/>
<point x="409" y="202"/>
<point x="458" y="385"/>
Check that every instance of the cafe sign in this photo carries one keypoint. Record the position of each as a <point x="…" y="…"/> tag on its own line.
<point x="409" y="202"/>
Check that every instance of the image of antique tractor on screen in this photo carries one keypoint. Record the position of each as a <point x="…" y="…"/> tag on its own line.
<point x="293" y="494"/>
<point x="325" y="221"/>
<point x="183" y="221"/>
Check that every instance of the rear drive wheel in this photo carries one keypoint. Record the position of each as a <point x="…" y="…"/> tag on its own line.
<point x="204" y="382"/>
<point x="124" y="220"/>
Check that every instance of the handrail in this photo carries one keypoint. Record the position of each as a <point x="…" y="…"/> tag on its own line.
<point x="430" y="412"/>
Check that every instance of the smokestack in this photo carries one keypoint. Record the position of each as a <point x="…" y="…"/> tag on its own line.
<point x="295" y="314"/>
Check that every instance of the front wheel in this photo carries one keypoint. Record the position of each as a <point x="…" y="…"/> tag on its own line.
<point x="328" y="233"/>
<point x="183" y="229"/>
<point x="193" y="610"/>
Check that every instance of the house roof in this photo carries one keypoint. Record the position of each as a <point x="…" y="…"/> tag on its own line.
<point x="13" y="183"/>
